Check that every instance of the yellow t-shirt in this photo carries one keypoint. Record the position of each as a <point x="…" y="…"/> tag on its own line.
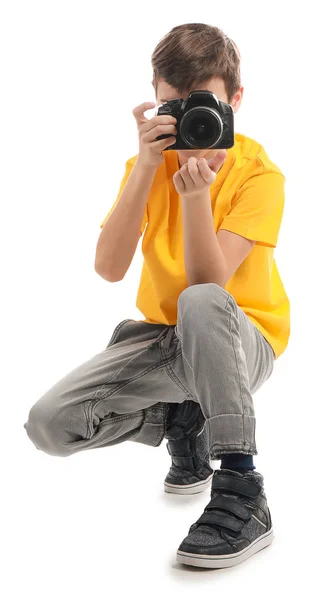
<point x="247" y="198"/>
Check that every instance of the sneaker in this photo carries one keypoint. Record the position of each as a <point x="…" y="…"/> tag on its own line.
<point x="190" y="472"/>
<point x="234" y="525"/>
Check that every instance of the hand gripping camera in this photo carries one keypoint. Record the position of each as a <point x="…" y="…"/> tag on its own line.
<point x="203" y="121"/>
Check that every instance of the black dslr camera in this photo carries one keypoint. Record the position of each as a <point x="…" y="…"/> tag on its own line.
<point x="203" y="121"/>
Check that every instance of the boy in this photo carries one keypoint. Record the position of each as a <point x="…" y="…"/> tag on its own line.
<point x="216" y="312"/>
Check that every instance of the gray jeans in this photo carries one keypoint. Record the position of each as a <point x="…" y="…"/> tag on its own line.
<point x="214" y="355"/>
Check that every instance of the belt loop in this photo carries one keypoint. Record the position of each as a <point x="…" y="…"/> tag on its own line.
<point x="158" y="338"/>
<point x="167" y="341"/>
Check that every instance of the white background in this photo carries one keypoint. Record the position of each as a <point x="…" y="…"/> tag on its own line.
<point x="98" y="524"/>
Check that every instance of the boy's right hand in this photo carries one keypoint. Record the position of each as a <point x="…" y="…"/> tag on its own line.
<point x="150" y="149"/>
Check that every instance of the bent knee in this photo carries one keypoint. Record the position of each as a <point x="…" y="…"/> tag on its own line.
<point x="45" y="431"/>
<point x="201" y="298"/>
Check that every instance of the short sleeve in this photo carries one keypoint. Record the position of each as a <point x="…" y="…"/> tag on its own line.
<point x="128" y="168"/>
<point x="257" y="209"/>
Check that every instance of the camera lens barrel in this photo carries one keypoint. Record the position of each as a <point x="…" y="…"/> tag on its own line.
<point x="201" y="126"/>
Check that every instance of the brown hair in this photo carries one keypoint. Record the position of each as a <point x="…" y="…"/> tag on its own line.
<point x="193" y="53"/>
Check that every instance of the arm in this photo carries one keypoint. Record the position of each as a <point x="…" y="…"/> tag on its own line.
<point x="121" y="231"/>
<point x="209" y="258"/>
<point x="255" y="217"/>
<point x="119" y="237"/>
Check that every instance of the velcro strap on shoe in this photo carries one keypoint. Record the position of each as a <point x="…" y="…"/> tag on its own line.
<point x="183" y="462"/>
<point x="231" y="505"/>
<point x="238" y="485"/>
<point x="224" y="521"/>
<point x="179" y="447"/>
<point x="181" y="454"/>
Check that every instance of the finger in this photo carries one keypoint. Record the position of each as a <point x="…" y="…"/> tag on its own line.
<point x="150" y="133"/>
<point x="187" y="179"/>
<point x="160" y="121"/>
<point x="139" y="111"/>
<point x="208" y="175"/>
<point x="178" y="182"/>
<point x="194" y="172"/>
<point x="160" y="145"/>
<point x="216" y="162"/>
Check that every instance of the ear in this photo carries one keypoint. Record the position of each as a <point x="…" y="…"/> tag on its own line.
<point x="237" y="99"/>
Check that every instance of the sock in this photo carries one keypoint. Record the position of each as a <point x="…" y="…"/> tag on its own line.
<point x="237" y="462"/>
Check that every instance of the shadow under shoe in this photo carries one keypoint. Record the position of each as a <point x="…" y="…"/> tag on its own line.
<point x="190" y="471"/>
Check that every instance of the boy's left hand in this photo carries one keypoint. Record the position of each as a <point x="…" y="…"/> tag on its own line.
<point x="198" y="175"/>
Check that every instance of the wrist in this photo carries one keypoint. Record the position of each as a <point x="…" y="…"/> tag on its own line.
<point x="199" y="196"/>
<point x="143" y="167"/>
<point x="144" y="171"/>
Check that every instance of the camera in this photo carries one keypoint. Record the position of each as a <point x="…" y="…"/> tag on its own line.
<point x="203" y="121"/>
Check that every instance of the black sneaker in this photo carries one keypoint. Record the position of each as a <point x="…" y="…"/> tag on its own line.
<point x="190" y="472"/>
<point x="234" y="525"/>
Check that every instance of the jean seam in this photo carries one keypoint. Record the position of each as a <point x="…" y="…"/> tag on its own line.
<point x="229" y="415"/>
<point x="86" y="412"/>
<point x="119" y="418"/>
<point x="235" y="355"/>
<point x="223" y="449"/>
<point x="116" y="419"/>
<point x="109" y="394"/>
<point x="189" y="394"/>
<point x="184" y="355"/>
<point x="127" y="416"/>
<point x="268" y="349"/>
<point x="227" y="444"/>
<point x="161" y="363"/>
<point x="116" y="331"/>
<point x="170" y="372"/>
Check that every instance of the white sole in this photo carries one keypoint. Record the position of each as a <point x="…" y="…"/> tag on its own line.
<point x="191" y="488"/>
<point x="225" y="560"/>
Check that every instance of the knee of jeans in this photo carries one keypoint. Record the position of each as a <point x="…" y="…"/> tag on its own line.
<point x="197" y="298"/>
<point x="45" y="430"/>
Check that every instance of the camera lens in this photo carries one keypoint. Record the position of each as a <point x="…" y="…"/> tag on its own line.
<point x="201" y="127"/>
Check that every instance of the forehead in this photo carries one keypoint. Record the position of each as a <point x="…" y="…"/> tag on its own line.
<point x="166" y="92"/>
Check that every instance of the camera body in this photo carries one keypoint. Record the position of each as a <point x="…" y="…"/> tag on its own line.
<point x="203" y="121"/>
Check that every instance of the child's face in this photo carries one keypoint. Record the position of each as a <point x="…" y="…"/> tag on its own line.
<point x="165" y="92"/>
